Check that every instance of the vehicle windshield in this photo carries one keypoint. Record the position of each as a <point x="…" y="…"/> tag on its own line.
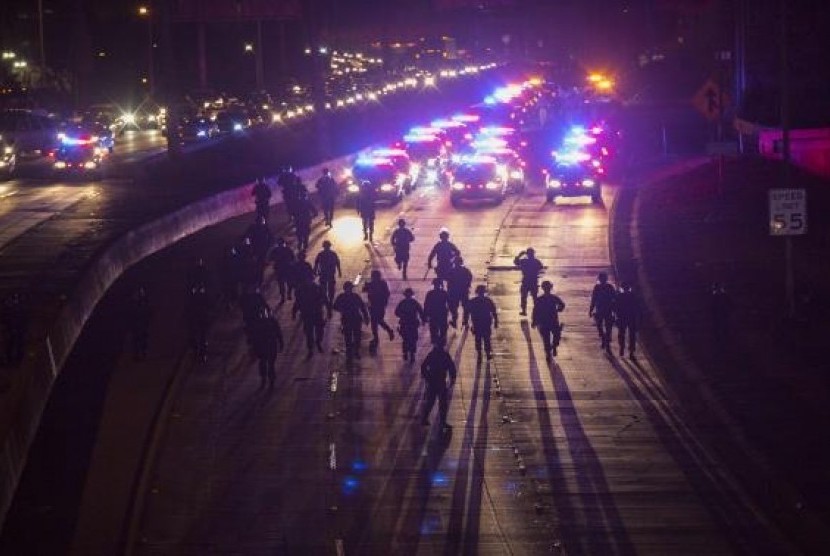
<point x="375" y="173"/>
<point x="475" y="173"/>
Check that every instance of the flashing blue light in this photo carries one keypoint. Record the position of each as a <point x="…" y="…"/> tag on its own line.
<point x="424" y="130"/>
<point x="350" y="485"/>
<point x="417" y="138"/>
<point x="465" y="118"/>
<point x="490" y="100"/>
<point x="69" y="141"/>
<point x="385" y="153"/>
<point x="372" y="161"/>
<point x="577" y="130"/>
<point x="445" y="124"/>
<point x="359" y="465"/>
<point x="439" y="479"/>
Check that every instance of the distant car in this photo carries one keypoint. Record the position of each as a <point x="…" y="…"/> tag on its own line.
<point x="232" y="121"/>
<point x="8" y="159"/>
<point x="511" y="166"/>
<point x="79" y="156"/>
<point x="381" y="173"/>
<point x="407" y="171"/>
<point x="572" y="180"/>
<point x="476" y="179"/>
<point x="31" y="132"/>
<point x="196" y="129"/>
<point x="430" y="157"/>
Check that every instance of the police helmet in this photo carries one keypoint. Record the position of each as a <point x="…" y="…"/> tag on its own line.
<point x="375" y="274"/>
<point x="408" y="292"/>
<point x="348" y="286"/>
<point x="401" y="222"/>
<point x="437" y="282"/>
<point x="444" y="234"/>
<point x="326" y="171"/>
<point x="481" y="289"/>
<point x="547" y="285"/>
<point x="326" y="244"/>
<point x="602" y="277"/>
<point x="530" y="251"/>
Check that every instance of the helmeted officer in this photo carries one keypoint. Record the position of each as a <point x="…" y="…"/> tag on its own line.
<point x="410" y="316"/>
<point x="326" y="266"/>
<point x="305" y="213"/>
<point x="459" y="281"/>
<point x="378" y="294"/>
<point x="436" y="310"/>
<point x="289" y="182"/>
<point x="310" y="303"/>
<point x="445" y="252"/>
<point x="262" y="239"/>
<point x="353" y="315"/>
<point x="627" y="316"/>
<point x="282" y="260"/>
<point x="546" y="319"/>
<point x="439" y="372"/>
<point x="251" y="303"/>
<point x="365" y="205"/>
<point x="266" y="342"/>
<point x="230" y="275"/>
<point x="327" y="191"/>
<point x="261" y="193"/>
<point x="402" y="239"/>
<point x="602" y="309"/>
<point x="300" y="271"/>
<point x="531" y="268"/>
<point x="482" y="312"/>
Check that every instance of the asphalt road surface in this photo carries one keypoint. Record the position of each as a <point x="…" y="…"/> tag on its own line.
<point x="589" y="455"/>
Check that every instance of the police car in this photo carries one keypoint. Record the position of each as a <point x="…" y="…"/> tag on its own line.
<point x="510" y="164"/>
<point x="407" y="172"/>
<point x="572" y="180"/>
<point x="478" y="178"/>
<point x="381" y="173"/>
<point x="429" y="154"/>
<point x="80" y="155"/>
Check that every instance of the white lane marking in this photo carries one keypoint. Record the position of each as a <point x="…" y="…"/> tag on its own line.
<point x="332" y="456"/>
<point x="51" y="356"/>
<point x="333" y="385"/>
<point x="338" y="545"/>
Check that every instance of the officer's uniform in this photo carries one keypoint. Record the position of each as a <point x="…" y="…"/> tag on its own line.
<point x="602" y="307"/>
<point x="546" y="319"/>
<point x="459" y="280"/>
<point x="437" y="311"/>
<point x="267" y="342"/>
<point x="378" y="294"/>
<point x="353" y="314"/>
<point x="627" y="313"/>
<point x="435" y="369"/>
<point x="302" y="222"/>
<point x="282" y="259"/>
<point x="444" y="252"/>
<point x="410" y="315"/>
<point x="326" y="266"/>
<point x="262" y="199"/>
<point x="327" y="190"/>
<point x="402" y="239"/>
<point x="310" y="303"/>
<point x="230" y="274"/>
<point x="482" y="312"/>
<point x="366" y="209"/>
<point x="531" y="268"/>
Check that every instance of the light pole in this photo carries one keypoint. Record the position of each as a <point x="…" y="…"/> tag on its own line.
<point x="144" y="11"/>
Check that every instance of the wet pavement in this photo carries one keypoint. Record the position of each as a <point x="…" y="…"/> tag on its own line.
<point x="589" y="455"/>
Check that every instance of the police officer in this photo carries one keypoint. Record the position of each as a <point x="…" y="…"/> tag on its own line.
<point x="310" y="303"/>
<point x="300" y="271"/>
<point x="326" y="265"/>
<point x="15" y="319"/>
<point x="327" y="190"/>
<point x="459" y="281"/>
<point x="546" y="319"/>
<point x="402" y="239"/>
<point x="290" y="185"/>
<point x="282" y="260"/>
<point x="436" y="310"/>
<point x="482" y="311"/>
<point x="439" y="372"/>
<point x="251" y="303"/>
<point x="531" y="268"/>
<point x="139" y="315"/>
<point x="602" y="309"/>
<point x="262" y="239"/>
<point x="627" y="316"/>
<point x="197" y="316"/>
<point x="250" y="267"/>
<point x="366" y="209"/>
<point x="378" y="294"/>
<point x="304" y="214"/>
<point x="444" y="251"/>
<point x="410" y="316"/>
<point x="261" y="193"/>
<point x="266" y="342"/>
<point x="353" y="315"/>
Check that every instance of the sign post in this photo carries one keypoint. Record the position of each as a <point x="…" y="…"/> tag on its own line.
<point x="788" y="217"/>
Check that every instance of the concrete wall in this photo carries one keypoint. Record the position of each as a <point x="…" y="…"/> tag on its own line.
<point x="112" y="262"/>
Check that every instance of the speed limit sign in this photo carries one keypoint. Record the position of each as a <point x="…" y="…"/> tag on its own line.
<point x="787" y="212"/>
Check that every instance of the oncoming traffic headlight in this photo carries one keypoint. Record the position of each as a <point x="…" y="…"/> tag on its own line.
<point x="588" y="183"/>
<point x="387" y="187"/>
<point x="517" y="175"/>
<point x="556" y="184"/>
<point x="491" y="185"/>
<point x="60" y="164"/>
<point x="353" y="188"/>
<point x="90" y="165"/>
<point x="458" y="186"/>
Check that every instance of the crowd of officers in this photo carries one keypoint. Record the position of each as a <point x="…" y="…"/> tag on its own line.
<point x="312" y="287"/>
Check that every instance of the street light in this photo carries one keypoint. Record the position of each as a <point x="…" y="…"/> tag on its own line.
<point x="144" y="11"/>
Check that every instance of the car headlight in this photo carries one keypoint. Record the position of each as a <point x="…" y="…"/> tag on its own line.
<point x="353" y="188"/>
<point x="432" y="162"/>
<point x="400" y="179"/>
<point x="60" y="164"/>
<point x="90" y="165"/>
<point x="458" y="186"/>
<point x="414" y="170"/>
<point x="556" y="184"/>
<point x="491" y="185"/>
<point x="502" y="169"/>
<point x="517" y="175"/>
<point x="432" y="175"/>
<point x="128" y="118"/>
<point x="237" y="126"/>
<point x="8" y="150"/>
<point x="201" y="133"/>
<point x="386" y="187"/>
<point x="588" y="183"/>
<point x="347" y="173"/>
